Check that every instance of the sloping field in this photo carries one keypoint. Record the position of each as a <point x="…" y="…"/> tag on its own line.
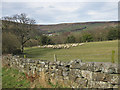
<point x="91" y="51"/>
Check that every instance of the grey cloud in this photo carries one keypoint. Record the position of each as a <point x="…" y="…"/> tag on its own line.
<point x="51" y="13"/>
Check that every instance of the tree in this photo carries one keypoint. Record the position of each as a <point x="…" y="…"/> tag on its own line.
<point x="112" y="34"/>
<point x="70" y="39"/>
<point x="24" y="25"/>
<point x="44" y="40"/>
<point x="87" y="37"/>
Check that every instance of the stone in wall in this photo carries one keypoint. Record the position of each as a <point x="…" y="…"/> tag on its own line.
<point x="110" y="78"/>
<point x="113" y="79"/>
<point x="105" y="67"/>
<point x="82" y="82"/>
<point x="74" y="73"/>
<point x="87" y="74"/>
<point x="99" y="84"/>
<point x="98" y="76"/>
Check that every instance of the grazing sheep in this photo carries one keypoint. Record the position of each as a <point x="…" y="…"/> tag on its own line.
<point x="60" y="46"/>
<point x="39" y="46"/>
<point x="81" y="44"/>
<point x="74" y="45"/>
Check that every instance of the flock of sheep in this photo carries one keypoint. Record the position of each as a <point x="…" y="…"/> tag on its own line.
<point x="62" y="46"/>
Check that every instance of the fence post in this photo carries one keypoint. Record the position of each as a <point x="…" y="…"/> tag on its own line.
<point x="113" y="55"/>
<point x="24" y="56"/>
<point x="55" y="58"/>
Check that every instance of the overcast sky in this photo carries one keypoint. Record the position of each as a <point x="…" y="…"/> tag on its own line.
<point x="63" y="12"/>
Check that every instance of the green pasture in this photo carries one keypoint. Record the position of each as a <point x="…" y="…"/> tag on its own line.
<point x="12" y="78"/>
<point x="91" y="51"/>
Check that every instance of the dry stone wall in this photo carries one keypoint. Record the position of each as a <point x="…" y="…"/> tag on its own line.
<point x="82" y="75"/>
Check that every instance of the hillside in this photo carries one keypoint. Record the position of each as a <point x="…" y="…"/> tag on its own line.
<point x="71" y="27"/>
<point x="92" y="51"/>
<point x="65" y="27"/>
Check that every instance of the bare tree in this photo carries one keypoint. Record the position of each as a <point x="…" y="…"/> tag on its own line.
<point x="24" y="25"/>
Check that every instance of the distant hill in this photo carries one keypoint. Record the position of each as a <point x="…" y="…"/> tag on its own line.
<point x="66" y="27"/>
<point x="72" y="27"/>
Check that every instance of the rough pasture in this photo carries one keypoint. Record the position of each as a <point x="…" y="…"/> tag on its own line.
<point x="91" y="51"/>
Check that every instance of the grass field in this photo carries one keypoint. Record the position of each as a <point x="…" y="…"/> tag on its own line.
<point x="12" y="78"/>
<point x="91" y="51"/>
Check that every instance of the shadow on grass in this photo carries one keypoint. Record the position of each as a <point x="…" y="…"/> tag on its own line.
<point x="36" y="52"/>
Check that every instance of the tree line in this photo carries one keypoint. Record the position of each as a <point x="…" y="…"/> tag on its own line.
<point x="110" y="33"/>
